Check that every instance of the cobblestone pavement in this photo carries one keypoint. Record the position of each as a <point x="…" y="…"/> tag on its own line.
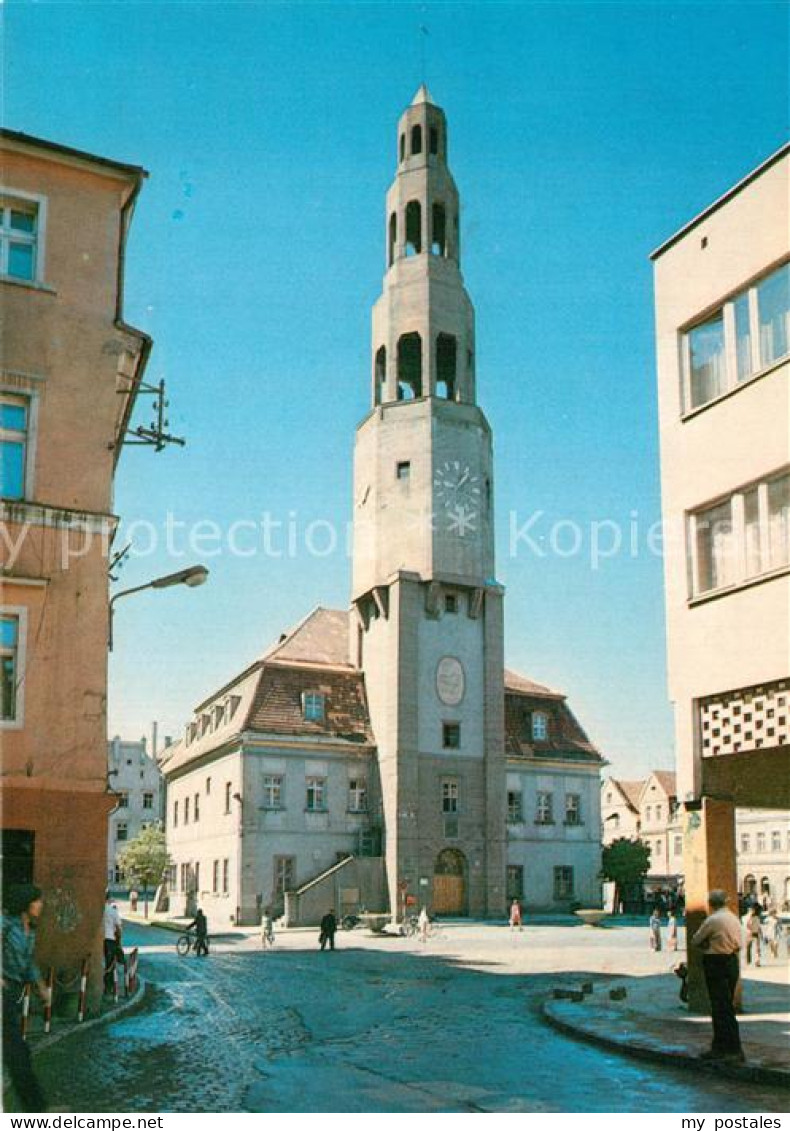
<point x="376" y="1026"/>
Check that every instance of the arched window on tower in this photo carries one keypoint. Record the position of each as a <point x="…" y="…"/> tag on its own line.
<point x="403" y="147"/>
<point x="438" y="230"/>
<point x="413" y="228"/>
<point x="381" y="373"/>
<point x="393" y="237"/>
<point x="433" y="139"/>
<point x="445" y="366"/>
<point x="409" y="367"/>
<point x="416" y="140"/>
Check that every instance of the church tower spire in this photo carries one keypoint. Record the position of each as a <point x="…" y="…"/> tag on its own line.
<point x="423" y="325"/>
<point x="427" y="612"/>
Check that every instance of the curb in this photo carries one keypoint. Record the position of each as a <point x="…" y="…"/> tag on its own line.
<point x="752" y="1073"/>
<point x="49" y="1039"/>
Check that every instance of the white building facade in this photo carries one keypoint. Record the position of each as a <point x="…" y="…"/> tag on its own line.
<point x="136" y="781"/>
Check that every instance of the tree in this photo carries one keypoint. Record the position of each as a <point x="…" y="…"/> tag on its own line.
<point x="625" y="862"/>
<point x="145" y="858"/>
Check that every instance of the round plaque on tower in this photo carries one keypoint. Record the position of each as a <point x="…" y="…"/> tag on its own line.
<point x="450" y="681"/>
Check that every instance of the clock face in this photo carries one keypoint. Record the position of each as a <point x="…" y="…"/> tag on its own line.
<point x="450" y="681"/>
<point x="457" y="486"/>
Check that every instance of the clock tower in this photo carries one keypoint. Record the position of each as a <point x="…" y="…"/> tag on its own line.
<point x="428" y="610"/>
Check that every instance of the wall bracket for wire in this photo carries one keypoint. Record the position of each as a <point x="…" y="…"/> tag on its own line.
<point x="155" y="434"/>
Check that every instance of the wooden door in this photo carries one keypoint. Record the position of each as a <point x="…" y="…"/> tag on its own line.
<point x="448" y="895"/>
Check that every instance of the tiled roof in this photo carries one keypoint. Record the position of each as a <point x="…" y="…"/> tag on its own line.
<point x="278" y="708"/>
<point x="514" y="681"/>
<point x="631" y="791"/>
<point x="566" y="738"/>
<point x="667" y="780"/>
<point x="321" y="638"/>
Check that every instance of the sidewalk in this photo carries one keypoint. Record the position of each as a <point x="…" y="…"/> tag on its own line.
<point x="651" y="1023"/>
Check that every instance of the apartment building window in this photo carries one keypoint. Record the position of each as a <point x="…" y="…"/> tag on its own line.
<point x="748" y="333"/>
<point x="659" y="847"/>
<point x="148" y="801"/>
<point x="741" y="537"/>
<point x="357" y="795"/>
<point x="678" y="846"/>
<point x="225" y="876"/>
<point x="761" y="842"/>
<point x="122" y="831"/>
<point x="196" y="809"/>
<point x="208" y="787"/>
<point x="515" y="881"/>
<point x="228" y="788"/>
<point x="648" y="814"/>
<point x="451" y="736"/>
<point x="515" y="811"/>
<point x="563" y="882"/>
<point x="449" y="796"/>
<point x="197" y="877"/>
<point x="658" y="812"/>
<point x="9" y="658"/>
<point x="272" y="791"/>
<point x="545" y="809"/>
<point x="215" y="877"/>
<point x="19" y="234"/>
<point x="540" y="726"/>
<point x="573" y="809"/>
<point x="451" y="603"/>
<point x="316" y="794"/>
<point x="123" y="801"/>
<point x="313" y="706"/>
<point x="175" y="814"/>
<point x="746" y="842"/>
<point x="14" y="430"/>
<point x="186" y="810"/>
<point x="776" y="841"/>
<point x="284" y="874"/>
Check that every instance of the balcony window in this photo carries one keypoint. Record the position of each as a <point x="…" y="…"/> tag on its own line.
<point x="19" y="235"/>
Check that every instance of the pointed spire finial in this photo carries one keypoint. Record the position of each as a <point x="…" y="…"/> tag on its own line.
<point x="422" y="95"/>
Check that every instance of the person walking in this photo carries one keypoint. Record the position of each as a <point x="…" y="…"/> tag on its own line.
<point x="515" y="915"/>
<point x="328" y="929"/>
<point x="112" y="941"/>
<point x="23" y="908"/>
<point x="672" y="931"/>
<point x="267" y="929"/>
<point x="424" y="924"/>
<point x="655" y="929"/>
<point x="200" y="924"/>
<point x="753" y="936"/>
<point x="719" y="939"/>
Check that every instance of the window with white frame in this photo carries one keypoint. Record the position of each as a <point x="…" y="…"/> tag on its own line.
<point x="449" y="796"/>
<point x="14" y="430"/>
<point x="357" y="795"/>
<point x="284" y="874"/>
<point x="573" y="809"/>
<point x="545" y="809"/>
<point x="19" y="238"/>
<point x="648" y="814"/>
<point x="776" y="841"/>
<point x="540" y="726"/>
<point x="563" y="882"/>
<point x="748" y="333"/>
<point x="761" y="842"/>
<point x="316" y="794"/>
<point x="122" y="831"/>
<point x="9" y="658"/>
<point x="148" y="801"/>
<point x="313" y="704"/>
<point x="272" y="791"/>
<point x="678" y="846"/>
<point x="123" y="801"/>
<point x="658" y="812"/>
<point x="746" y="842"/>
<point x="741" y="537"/>
<point x="515" y="809"/>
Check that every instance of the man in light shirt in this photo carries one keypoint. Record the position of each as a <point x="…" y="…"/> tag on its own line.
<point x="719" y="938"/>
<point x="112" y="940"/>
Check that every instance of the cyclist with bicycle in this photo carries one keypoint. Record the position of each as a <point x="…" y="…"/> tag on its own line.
<point x="200" y="923"/>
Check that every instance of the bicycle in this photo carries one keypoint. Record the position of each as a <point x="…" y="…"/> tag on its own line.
<point x="187" y="942"/>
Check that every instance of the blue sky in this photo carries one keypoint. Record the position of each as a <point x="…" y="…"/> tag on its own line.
<point x="581" y="136"/>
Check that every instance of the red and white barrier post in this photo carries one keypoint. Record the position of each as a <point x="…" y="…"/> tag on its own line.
<point x="83" y="989"/>
<point x="131" y="972"/>
<point x="48" y="1000"/>
<point x="25" y="1010"/>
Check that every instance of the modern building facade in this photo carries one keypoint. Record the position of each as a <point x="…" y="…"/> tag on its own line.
<point x="70" y="371"/>
<point x="404" y="700"/>
<point x="136" y="782"/>
<point x="723" y="341"/>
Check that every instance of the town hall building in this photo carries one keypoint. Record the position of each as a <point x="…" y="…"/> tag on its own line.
<point x="383" y="756"/>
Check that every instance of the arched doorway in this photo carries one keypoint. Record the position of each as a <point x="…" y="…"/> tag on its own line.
<point x="449" y="883"/>
<point x="749" y="885"/>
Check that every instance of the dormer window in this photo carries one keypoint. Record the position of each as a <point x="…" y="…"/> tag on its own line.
<point x="540" y="726"/>
<point x="313" y="704"/>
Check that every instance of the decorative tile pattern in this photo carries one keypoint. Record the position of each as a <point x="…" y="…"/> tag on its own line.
<point x="748" y="719"/>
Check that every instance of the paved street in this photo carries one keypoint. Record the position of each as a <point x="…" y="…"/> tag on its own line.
<point x="378" y="1026"/>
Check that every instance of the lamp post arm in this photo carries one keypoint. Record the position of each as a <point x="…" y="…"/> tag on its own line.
<point x="117" y="597"/>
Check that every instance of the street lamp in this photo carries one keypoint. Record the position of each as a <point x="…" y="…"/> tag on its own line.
<point x="192" y="576"/>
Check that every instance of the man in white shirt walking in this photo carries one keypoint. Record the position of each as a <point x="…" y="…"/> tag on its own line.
<point x="719" y="938"/>
<point x="112" y="940"/>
